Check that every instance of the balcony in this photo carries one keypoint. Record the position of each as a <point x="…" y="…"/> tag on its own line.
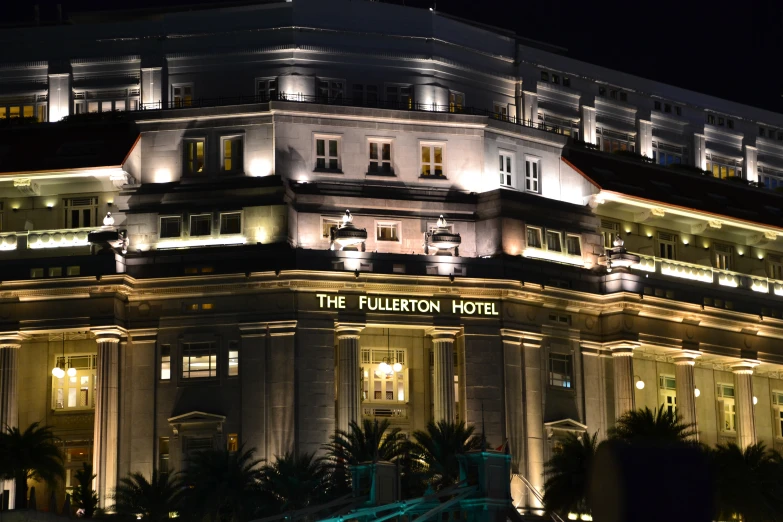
<point x="707" y="274"/>
<point x="45" y="239"/>
<point x="393" y="411"/>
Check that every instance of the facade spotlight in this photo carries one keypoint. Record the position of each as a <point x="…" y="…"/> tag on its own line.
<point x="697" y="392"/>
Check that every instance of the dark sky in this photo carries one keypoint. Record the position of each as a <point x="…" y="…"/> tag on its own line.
<point x="731" y="49"/>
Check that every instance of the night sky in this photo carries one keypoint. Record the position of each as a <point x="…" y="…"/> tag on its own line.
<point x="729" y="49"/>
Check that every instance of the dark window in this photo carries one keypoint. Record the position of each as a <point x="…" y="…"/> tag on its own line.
<point x="566" y="81"/>
<point x="170" y="226"/>
<point x="657" y="106"/>
<point x="730" y="124"/>
<point x="667" y="108"/>
<point x="678" y="111"/>
<point x="613" y="94"/>
<point x="555" y="78"/>
<point x="201" y="225"/>
<point x="602" y="91"/>
<point x="761" y="132"/>
<point x="231" y="223"/>
<point x="163" y="456"/>
<point x="623" y="96"/>
<point x="711" y="119"/>
<point x="544" y="76"/>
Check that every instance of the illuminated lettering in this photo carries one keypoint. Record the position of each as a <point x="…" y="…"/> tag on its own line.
<point x="404" y="304"/>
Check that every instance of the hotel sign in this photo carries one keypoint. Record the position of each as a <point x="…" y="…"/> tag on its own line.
<point x="407" y="304"/>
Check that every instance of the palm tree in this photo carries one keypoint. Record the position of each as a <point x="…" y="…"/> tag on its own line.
<point x="656" y="427"/>
<point x="294" y="482"/>
<point x="568" y="475"/>
<point x="439" y="446"/>
<point x="154" y="500"/>
<point x="372" y="441"/>
<point x="85" y="497"/>
<point x="223" y="484"/>
<point x="31" y="454"/>
<point x="748" y="483"/>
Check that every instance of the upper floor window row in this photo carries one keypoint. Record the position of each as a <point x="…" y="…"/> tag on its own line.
<point x="720" y="121"/>
<point x="552" y="240"/>
<point x="614" y="94"/>
<point x="556" y="78"/>
<point x="771" y="133"/>
<point x="200" y="225"/>
<point x="507" y="169"/>
<point x="667" y="108"/>
<point x="33" y="106"/>
<point x="229" y="155"/>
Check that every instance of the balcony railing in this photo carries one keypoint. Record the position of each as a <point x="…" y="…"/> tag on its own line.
<point x="40" y="239"/>
<point x="397" y="105"/>
<point x="708" y="274"/>
<point x="388" y="411"/>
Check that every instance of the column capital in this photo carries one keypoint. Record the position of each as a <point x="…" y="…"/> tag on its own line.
<point x="11" y="340"/>
<point x="349" y="330"/>
<point x="440" y="333"/>
<point x="745" y="366"/>
<point x="622" y="349"/>
<point x="687" y="357"/>
<point x="108" y="335"/>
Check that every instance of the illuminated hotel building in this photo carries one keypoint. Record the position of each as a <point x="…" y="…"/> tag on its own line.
<point x="229" y="298"/>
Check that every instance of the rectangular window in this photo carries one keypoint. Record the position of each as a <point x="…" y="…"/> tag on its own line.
<point x="77" y="391"/>
<point x="266" y="89"/>
<point x="331" y="90"/>
<point x="165" y="362"/>
<point x="533" y="237"/>
<point x="560" y="370"/>
<point x="613" y="141"/>
<point x="432" y="160"/>
<point x="380" y="158"/>
<point x="667" y="245"/>
<point x="723" y="255"/>
<point x="665" y="154"/>
<point x="456" y="101"/>
<point x="553" y="241"/>
<point x="80" y="212"/>
<point x="231" y="154"/>
<point x="544" y="76"/>
<point x="774" y="266"/>
<point x="55" y="271"/>
<point x="327" y="154"/>
<point x="668" y="391"/>
<point x="36" y="273"/>
<point x="327" y="225"/>
<point x="181" y="95"/>
<point x="199" y="361"/>
<point x="387" y="231"/>
<point x="384" y="386"/>
<point x="399" y="96"/>
<point x="73" y="270"/>
<point x="501" y="111"/>
<point x="531" y="175"/>
<point x="506" y="166"/>
<point x="200" y="225"/>
<point x="365" y="95"/>
<point x="233" y="363"/>
<point x="232" y="442"/>
<point x="573" y="245"/>
<point x="727" y="413"/>
<point x="170" y="226"/>
<point x="194" y="155"/>
<point x="163" y="456"/>
<point x="723" y="168"/>
<point x="711" y="119"/>
<point x="610" y="230"/>
<point x="230" y="223"/>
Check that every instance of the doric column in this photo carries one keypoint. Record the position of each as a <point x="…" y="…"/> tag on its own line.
<point x="107" y="411"/>
<point x="534" y="414"/>
<point x="349" y="379"/>
<point x="743" y="400"/>
<point x="9" y="395"/>
<point x="444" y="407"/>
<point x="594" y="385"/>
<point x="622" y="362"/>
<point x="686" y="389"/>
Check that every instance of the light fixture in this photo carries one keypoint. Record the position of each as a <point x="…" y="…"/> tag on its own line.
<point x="389" y="365"/>
<point x="696" y="392"/>
<point x="755" y="400"/>
<point x="58" y="370"/>
<point x="639" y="382"/>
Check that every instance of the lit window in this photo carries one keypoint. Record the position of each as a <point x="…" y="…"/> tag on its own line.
<point x="456" y="101"/>
<point x="194" y="156"/>
<point x="777" y="401"/>
<point x="36" y="273"/>
<point x="77" y="391"/>
<point x="666" y="154"/>
<point x="668" y="389"/>
<point x="231" y="160"/>
<point x="73" y="270"/>
<point x="609" y="231"/>
<point x="380" y="386"/>
<point x="727" y="413"/>
<point x="501" y="111"/>
<point x="233" y="363"/>
<point x="165" y="362"/>
<point x="55" y="271"/>
<point x="399" y="96"/>
<point x="170" y="226"/>
<point x="573" y="245"/>
<point x="613" y="141"/>
<point x="533" y="237"/>
<point x="232" y="442"/>
<point x="327" y="225"/>
<point x="200" y="225"/>
<point x="506" y="165"/>
<point x="722" y="167"/>
<point x="327" y="155"/>
<point x="667" y="245"/>
<point x="380" y="158"/>
<point x="560" y="370"/>
<point x="432" y="160"/>
<point x="387" y="231"/>
<point x="231" y="223"/>
<point x="182" y="95"/>
<point x="723" y="256"/>
<point x="531" y="175"/>
<point x="553" y="241"/>
<point x="199" y="361"/>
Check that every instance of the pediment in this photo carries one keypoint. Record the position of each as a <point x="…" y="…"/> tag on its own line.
<point x="196" y="420"/>
<point x="564" y="425"/>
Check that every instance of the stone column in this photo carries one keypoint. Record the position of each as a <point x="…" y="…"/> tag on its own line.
<point x="699" y="151"/>
<point x="588" y="124"/>
<point x="622" y="363"/>
<point x="252" y="362"/>
<point x="534" y="414"/>
<point x="444" y="407"/>
<point x="743" y="400"/>
<point x="686" y="389"/>
<point x="9" y="395"/>
<point x="280" y="388"/>
<point x="349" y="379"/>
<point x="751" y="163"/>
<point x="107" y="412"/>
<point x="594" y="374"/>
<point x="644" y="138"/>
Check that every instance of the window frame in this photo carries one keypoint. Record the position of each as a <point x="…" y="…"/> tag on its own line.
<point x="231" y="213"/>
<point x="263" y="93"/>
<point x="330" y="97"/>
<point x="237" y="163"/>
<point x="454" y="105"/>
<point x="380" y="142"/>
<point x="578" y="239"/>
<point x="233" y="348"/>
<point x="326" y="138"/>
<point x="92" y="374"/>
<point x="165" y="353"/>
<point x="212" y="352"/>
<point x="500" y="110"/>
<point x="723" y="400"/>
<point x="432" y="145"/>
<point x="160" y="226"/>
<point x="539" y="234"/>
<point x="183" y="104"/>
<point x="723" y="257"/>
<point x="566" y="379"/>
<point x="669" y="244"/>
<point x="532" y="180"/>
<point x="360" y="94"/>
<point x="332" y="221"/>
<point x="399" y="101"/>
<point x="199" y="215"/>
<point x="186" y="156"/>
<point x="387" y="223"/>
<point x="559" y="235"/>
<point x="508" y="159"/>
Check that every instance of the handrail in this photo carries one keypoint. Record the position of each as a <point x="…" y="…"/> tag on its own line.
<point x="536" y="493"/>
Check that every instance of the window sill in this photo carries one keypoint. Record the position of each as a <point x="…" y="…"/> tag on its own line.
<point x="73" y="411"/>
<point x="431" y="176"/>
<point x="328" y="171"/>
<point x="382" y="174"/>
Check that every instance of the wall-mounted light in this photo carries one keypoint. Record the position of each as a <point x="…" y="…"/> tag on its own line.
<point x="639" y="382"/>
<point x="15" y="209"/>
<point x="49" y="206"/>
<point x="110" y="203"/>
<point x="696" y="392"/>
<point x="755" y="400"/>
<point x="649" y="234"/>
